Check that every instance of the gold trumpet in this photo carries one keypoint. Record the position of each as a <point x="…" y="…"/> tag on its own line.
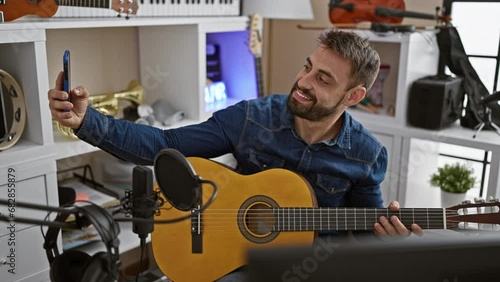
<point x="107" y="104"/>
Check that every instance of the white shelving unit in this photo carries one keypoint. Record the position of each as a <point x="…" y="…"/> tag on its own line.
<point x="411" y="57"/>
<point x="31" y="51"/>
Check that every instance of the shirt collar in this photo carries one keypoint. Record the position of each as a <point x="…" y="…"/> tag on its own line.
<point x="343" y="139"/>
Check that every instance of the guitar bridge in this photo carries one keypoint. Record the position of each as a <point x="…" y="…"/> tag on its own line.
<point x="1" y="14"/>
<point x="196" y="231"/>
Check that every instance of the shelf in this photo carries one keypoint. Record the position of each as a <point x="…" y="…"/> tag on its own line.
<point x="24" y="150"/>
<point x="210" y="23"/>
<point x="454" y="134"/>
<point x="64" y="147"/>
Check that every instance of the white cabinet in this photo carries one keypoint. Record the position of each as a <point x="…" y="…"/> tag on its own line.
<point x="410" y="56"/>
<point x="167" y="56"/>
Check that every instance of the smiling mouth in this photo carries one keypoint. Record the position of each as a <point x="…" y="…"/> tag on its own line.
<point x="301" y="97"/>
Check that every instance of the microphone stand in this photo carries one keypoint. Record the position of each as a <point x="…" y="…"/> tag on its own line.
<point x="37" y="221"/>
<point x="487" y="122"/>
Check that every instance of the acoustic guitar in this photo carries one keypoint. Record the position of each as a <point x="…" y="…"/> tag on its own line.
<point x="15" y="9"/>
<point x="272" y="208"/>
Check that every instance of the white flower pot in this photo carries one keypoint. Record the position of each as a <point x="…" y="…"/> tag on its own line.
<point x="451" y="199"/>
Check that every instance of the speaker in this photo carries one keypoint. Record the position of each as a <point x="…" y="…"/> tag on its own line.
<point x="77" y="266"/>
<point x="435" y="102"/>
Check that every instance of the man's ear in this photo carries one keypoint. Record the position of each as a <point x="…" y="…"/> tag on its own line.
<point x="354" y="96"/>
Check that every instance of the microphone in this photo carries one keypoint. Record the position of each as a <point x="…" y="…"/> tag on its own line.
<point x="142" y="201"/>
<point x="177" y="180"/>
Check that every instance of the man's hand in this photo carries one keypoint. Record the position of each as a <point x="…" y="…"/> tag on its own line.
<point x="68" y="114"/>
<point x="393" y="226"/>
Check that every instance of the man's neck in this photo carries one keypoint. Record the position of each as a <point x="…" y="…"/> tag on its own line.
<point x="318" y="131"/>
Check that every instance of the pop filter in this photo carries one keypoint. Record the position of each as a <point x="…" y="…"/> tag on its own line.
<point x="177" y="180"/>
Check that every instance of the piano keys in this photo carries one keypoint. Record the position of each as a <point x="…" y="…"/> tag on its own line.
<point x="148" y="8"/>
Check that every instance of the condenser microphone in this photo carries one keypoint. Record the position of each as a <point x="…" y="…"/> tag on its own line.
<point x="177" y="180"/>
<point x="143" y="202"/>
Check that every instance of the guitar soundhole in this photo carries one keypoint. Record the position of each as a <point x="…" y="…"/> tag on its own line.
<point x="256" y="219"/>
<point x="259" y="219"/>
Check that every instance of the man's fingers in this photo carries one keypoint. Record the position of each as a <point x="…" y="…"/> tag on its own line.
<point x="399" y="226"/>
<point x="417" y="229"/>
<point x="389" y="228"/>
<point x="60" y="81"/>
<point x="394" y="206"/>
<point x="379" y="229"/>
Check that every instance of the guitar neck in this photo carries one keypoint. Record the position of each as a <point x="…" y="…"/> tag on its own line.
<point x="258" y="73"/>
<point x="344" y="219"/>
<point x="85" y="3"/>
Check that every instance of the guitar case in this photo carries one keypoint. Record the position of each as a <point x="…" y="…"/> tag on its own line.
<point x="452" y="54"/>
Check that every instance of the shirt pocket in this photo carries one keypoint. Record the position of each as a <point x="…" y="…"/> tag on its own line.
<point x="333" y="185"/>
<point x="265" y="161"/>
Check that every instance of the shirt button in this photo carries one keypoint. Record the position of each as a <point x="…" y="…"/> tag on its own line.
<point x="264" y="166"/>
<point x="308" y="150"/>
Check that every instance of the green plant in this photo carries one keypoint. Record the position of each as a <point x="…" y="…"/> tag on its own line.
<point x="454" y="178"/>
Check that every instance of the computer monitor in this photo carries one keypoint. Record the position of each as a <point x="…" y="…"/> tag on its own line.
<point x="465" y="259"/>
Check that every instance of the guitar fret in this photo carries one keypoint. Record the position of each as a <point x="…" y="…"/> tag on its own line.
<point x="328" y="213"/>
<point x="365" y="219"/>
<point x="337" y="217"/>
<point x="294" y="220"/>
<point x="320" y="220"/>
<point x="355" y="219"/>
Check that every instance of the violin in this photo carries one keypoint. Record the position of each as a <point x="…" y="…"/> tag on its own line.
<point x="379" y="11"/>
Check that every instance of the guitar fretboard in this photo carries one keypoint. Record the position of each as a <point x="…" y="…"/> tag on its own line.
<point x="343" y="219"/>
<point x="258" y="73"/>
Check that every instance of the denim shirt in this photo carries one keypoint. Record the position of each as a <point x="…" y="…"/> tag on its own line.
<point x="344" y="171"/>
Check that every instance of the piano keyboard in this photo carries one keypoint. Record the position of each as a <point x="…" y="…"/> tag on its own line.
<point x="149" y="8"/>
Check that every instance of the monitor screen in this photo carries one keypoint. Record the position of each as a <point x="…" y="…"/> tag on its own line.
<point x="464" y="259"/>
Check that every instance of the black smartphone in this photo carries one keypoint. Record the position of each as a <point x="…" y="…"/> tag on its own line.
<point x="67" y="73"/>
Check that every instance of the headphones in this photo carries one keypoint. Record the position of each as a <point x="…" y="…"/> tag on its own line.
<point x="77" y="266"/>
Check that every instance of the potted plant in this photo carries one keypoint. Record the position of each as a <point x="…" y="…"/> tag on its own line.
<point x="454" y="180"/>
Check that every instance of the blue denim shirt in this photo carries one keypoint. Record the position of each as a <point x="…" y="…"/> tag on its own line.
<point x="344" y="171"/>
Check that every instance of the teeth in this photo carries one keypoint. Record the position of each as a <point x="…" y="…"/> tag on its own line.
<point x="305" y="97"/>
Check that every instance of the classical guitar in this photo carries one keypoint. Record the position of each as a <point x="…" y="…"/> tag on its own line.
<point x="15" y="9"/>
<point x="272" y="208"/>
<point x="255" y="46"/>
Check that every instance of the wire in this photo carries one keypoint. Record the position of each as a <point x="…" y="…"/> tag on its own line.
<point x="143" y="247"/>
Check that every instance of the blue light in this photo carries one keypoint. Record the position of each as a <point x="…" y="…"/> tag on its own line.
<point x="215" y="92"/>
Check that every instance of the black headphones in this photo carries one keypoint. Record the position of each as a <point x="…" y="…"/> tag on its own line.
<point x="77" y="266"/>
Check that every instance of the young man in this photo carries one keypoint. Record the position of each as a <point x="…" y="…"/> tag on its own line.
<point x="307" y="131"/>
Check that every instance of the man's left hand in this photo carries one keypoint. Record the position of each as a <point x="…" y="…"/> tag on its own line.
<point x="393" y="226"/>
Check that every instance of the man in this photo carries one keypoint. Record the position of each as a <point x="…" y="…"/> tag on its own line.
<point x="307" y="131"/>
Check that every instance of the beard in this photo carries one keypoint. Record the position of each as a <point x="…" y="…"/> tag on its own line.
<point x="311" y="112"/>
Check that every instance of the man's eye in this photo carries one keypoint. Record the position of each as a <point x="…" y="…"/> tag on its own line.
<point x="322" y="80"/>
<point x="307" y="68"/>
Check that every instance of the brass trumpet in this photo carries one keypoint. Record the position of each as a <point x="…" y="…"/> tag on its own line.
<point x="107" y="104"/>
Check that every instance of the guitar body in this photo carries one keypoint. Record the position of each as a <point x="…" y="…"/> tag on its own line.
<point x="232" y="224"/>
<point x="15" y="9"/>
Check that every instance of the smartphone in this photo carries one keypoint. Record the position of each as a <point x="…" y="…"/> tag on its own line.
<point x="67" y="73"/>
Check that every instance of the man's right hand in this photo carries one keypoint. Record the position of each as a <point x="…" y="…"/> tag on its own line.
<point x="68" y="114"/>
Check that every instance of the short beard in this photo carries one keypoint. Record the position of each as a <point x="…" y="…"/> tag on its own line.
<point x="314" y="112"/>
